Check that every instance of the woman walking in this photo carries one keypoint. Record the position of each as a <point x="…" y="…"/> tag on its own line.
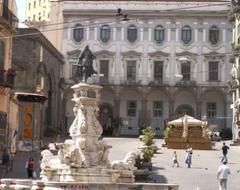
<point x="189" y="156"/>
<point x="30" y="167"/>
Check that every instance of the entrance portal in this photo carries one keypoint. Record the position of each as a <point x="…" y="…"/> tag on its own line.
<point x="184" y="109"/>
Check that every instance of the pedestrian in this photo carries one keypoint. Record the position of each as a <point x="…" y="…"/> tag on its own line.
<point x="189" y="153"/>
<point x="30" y="167"/>
<point x="224" y="152"/>
<point x="222" y="176"/>
<point x="175" y="160"/>
<point x="5" y="156"/>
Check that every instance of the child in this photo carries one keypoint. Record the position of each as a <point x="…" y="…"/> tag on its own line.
<point x="175" y="161"/>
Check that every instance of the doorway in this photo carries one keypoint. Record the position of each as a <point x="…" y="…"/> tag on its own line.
<point x="105" y="119"/>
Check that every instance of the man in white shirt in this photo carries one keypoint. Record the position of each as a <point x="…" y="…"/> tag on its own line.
<point x="222" y="175"/>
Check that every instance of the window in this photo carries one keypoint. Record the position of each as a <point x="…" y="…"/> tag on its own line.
<point x="157" y="108"/>
<point x="34" y="17"/>
<point x="214" y="35"/>
<point x="213" y="70"/>
<point x="44" y="13"/>
<point x="211" y="109"/>
<point x="132" y="108"/>
<point x="78" y="33"/>
<point x="39" y="2"/>
<point x="2" y="54"/>
<point x="48" y="15"/>
<point x="186" y="70"/>
<point x="29" y="6"/>
<point x="105" y="33"/>
<point x="104" y="69"/>
<point x="132" y="33"/>
<point x="39" y="16"/>
<point x="186" y="34"/>
<point x="131" y="70"/>
<point x="34" y="4"/>
<point x="158" y="70"/>
<point x="159" y="34"/>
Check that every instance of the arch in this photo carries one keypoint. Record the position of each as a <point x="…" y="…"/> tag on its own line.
<point x="184" y="109"/>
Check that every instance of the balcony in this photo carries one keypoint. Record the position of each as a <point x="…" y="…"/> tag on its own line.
<point x="7" y="78"/>
<point x="7" y="17"/>
<point x="186" y="83"/>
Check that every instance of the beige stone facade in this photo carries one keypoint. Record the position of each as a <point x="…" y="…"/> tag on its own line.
<point x="38" y="10"/>
<point x="8" y="103"/>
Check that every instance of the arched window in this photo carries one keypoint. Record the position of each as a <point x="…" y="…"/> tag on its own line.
<point x="105" y="33"/>
<point x="186" y="34"/>
<point x="78" y="33"/>
<point x="159" y="34"/>
<point x="132" y="33"/>
<point x="214" y="35"/>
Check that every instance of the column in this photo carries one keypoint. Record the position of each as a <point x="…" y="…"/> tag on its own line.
<point x="171" y="103"/>
<point x="199" y="110"/>
<point x="144" y="115"/>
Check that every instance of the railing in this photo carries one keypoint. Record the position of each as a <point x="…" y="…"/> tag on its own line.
<point x="8" y="15"/>
<point x="186" y="83"/>
<point x="7" y="78"/>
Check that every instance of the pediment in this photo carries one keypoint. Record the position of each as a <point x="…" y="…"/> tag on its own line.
<point x="104" y="53"/>
<point x="74" y="53"/>
<point x="158" y="53"/>
<point x="186" y="53"/>
<point x="213" y="53"/>
<point x="131" y="53"/>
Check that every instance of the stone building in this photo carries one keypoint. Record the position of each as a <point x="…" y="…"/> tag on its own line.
<point x="8" y="102"/>
<point x="39" y="70"/>
<point x="234" y="18"/>
<point x="158" y="60"/>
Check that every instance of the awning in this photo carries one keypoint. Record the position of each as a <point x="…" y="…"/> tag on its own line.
<point x="30" y="97"/>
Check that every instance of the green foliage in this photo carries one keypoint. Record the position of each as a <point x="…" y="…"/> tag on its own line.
<point x="147" y="154"/>
<point x="138" y="162"/>
<point x="148" y="136"/>
<point x="166" y="132"/>
<point x="237" y="47"/>
<point x="226" y="133"/>
<point x="117" y="122"/>
<point x="141" y="128"/>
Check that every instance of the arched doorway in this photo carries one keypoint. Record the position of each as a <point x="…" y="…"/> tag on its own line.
<point x="105" y="118"/>
<point x="184" y="109"/>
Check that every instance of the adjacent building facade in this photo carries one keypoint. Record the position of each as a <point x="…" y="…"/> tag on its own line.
<point x="8" y="102"/>
<point x="38" y="10"/>
<point x="234" y="18"/>
<point x="38" y="86"/>
<point x="160" y="61"/>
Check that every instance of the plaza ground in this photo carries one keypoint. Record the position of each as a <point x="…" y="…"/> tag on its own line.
<point x="202" y="175"/>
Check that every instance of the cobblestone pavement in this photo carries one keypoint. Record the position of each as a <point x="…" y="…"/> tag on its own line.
<point x="202" y="175"/>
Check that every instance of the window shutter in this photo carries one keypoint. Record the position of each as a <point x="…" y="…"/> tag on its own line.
<point x="2" y="53"/>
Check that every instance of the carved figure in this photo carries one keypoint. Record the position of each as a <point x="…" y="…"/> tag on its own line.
<point x="46" y="157"/>
<point x="96" y="124"/>
<point x="75" y="158"/>
<point x="128" y="163"/>
<point x="85" y="63"/>
<point x="103" y="151"/>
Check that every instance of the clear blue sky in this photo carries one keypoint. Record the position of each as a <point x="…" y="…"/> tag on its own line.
<point x="21" y="9"/>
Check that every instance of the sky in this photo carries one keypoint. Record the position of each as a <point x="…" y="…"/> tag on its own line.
<point x="21" y="9"/>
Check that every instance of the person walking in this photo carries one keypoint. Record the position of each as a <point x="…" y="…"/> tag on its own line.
<point x="222" y="175"/>
<point x="5" y="157"/>
<point x="30" y="167"/>
<point x="225" y="149"/>
<point x="189" y="153"/>
<point x="175" y="160"/>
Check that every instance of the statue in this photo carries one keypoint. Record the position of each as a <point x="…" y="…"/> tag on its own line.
<point x="85" y="63"/>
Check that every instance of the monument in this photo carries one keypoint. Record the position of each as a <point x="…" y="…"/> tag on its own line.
<point x="82" y="161"/>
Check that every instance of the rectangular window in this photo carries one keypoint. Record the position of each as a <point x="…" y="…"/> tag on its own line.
<point x="39" y="2"/>
<point x="211" y="109"/>
<point x="104" y="69"/>
<point x="34" y="17"/>
<point x="131" y="70"/>
<point x="186" y="70"/>
<point x="2" y="54"/>
<point x="29" y="6"/>
<point x="157" y="108"/>
<point x="213" y="70"/>
<point x="131" y="108"/>
<point x="34" y="4"/>
<point x="158" y="70"/>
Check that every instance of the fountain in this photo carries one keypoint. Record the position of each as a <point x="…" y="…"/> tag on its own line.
<point x="82" y="162"/>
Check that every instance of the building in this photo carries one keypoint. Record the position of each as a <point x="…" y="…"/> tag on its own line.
<point x="38" y="10"/>
<point x="158" y="60"/>
<point x="38" y="86"/>
<point x="234" y="18"/>
<point x="8" y="102"/>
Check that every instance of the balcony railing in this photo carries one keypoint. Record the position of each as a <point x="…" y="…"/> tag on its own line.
<point x="186" y="83"/>
<point x="7" y="15"/>
<point x="7" y="78"/>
